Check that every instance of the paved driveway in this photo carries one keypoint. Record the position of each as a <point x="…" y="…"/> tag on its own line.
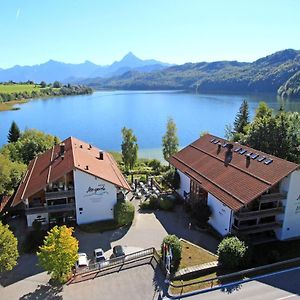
<point x="147" y="230"/>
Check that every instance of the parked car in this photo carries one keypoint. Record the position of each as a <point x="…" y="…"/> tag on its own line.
<point x="82" y="260"/>
<point x="118" y="251"/>
<point x="99" y="255"/>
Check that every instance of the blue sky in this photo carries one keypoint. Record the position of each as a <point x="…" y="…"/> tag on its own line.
<point x="176" y="31"/>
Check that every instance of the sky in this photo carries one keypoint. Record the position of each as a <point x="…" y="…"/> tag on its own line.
<point x="174" y="31"/>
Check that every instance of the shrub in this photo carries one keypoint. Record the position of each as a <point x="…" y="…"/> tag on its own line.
<point x="175" y="244"/>
<point x="154" y="201"/>
<point x="232" y="252"/>
<point x="143" y="178"/>
<point x="172" y="178"/>
<point x="155" y="165"/>
<point x="166" y="204"/>
<point x="124" y="213"/>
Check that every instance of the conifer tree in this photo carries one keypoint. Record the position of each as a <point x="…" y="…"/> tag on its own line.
<point x="13" y="133"/>
<point x="242" y="118"/>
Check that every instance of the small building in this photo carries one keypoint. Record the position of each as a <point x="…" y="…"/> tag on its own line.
<point x="73" y="181"/>
<point x="250" y="193"/>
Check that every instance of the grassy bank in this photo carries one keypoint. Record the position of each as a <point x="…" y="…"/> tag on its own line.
<point x="13" y="93"/>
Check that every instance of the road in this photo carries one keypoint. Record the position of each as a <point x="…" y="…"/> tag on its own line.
<point x="281" y="286"/>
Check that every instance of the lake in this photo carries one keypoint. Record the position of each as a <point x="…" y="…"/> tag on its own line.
<point x="98" y="118"/>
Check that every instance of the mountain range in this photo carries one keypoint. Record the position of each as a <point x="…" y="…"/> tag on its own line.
<point x="278" y="72"/>
<point x="65" y="72"/>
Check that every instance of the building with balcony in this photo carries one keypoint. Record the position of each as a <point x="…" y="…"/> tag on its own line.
<point x="72" y="182"/>
<point x="250" y="193"/>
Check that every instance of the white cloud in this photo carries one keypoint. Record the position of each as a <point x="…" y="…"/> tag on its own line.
<point x="18" y="13"/>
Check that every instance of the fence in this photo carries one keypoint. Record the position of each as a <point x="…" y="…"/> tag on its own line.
<point x="238" y="275"/>
<point x="116" y="264"/>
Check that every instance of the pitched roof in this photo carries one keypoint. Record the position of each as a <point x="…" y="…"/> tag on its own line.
<point x="237" y="183"/>
<point x="49" y="166"/>
<point x="3" y="202"/>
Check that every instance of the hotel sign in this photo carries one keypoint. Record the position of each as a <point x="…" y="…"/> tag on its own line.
<point x="99" y="190"/>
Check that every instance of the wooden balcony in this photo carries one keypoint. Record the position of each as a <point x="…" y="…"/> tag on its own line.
<point x="249" y="215"/>
<point x="249" y="229"/>
<point x="59" y="194"/>
<point x="49" y="208"/>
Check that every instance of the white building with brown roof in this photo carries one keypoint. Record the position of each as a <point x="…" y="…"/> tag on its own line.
<point x="249" y="192"/>
<point x="73" y="181"/>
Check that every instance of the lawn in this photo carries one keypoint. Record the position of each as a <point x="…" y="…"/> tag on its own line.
<point x="193" y="255"/>
<point x="18" y="88"/>
<point x="264" y="254"/>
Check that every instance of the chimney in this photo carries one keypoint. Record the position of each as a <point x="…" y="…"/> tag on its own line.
<point x="62" y="150"/>
<point x="248" y="160"/>
<point x="228" y="154"/>
<point x="219" y="147"/>
<point x="101" y="157"/>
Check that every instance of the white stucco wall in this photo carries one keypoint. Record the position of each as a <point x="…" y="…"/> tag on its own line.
<point x="184" y="184"/>
<point x="94" y="198"/>
<point x="31" y="218"/>
<point x="291" y="220"/>
<point x="221" y="217"/>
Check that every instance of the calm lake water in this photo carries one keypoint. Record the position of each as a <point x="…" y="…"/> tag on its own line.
<point x="98" y="118"/>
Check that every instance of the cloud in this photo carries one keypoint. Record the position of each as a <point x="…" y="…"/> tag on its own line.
<point x="18" y="13"/>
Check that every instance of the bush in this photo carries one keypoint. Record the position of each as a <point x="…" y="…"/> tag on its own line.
<point x="124" y="213"/>
<point x="166" y="204"/>
<point x="155" y="165"/>
<point x="154" y="201"/>
<point x="143" y="178"/>
<point x="175" y="244"/>
<point x="232" y="252"/>
<point x="172" y="178"/>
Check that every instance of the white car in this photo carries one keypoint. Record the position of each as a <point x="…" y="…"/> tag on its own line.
<point x="82" y="260"/>
<point x="99" y="255"/>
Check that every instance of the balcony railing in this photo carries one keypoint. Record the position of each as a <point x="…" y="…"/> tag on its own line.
<point x="248" y="229"/>
<point x="248" y="215"/>
<point x="59" y="194"/>
<point x="50" y="208"/>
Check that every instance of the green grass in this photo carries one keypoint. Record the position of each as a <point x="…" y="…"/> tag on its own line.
<point x="192" y="256"/>
<point x="18" y="88"/>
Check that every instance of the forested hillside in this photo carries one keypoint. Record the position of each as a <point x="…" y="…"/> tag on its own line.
<point x="273" y="73"/>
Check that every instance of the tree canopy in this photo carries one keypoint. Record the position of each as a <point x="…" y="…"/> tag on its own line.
<point x="276" y="133"/>
<point x="170" y="141"/>
<point x="10" y="175"/>
<point x="13" y="133"/>
<point x="59" y="253"/>
<point x="8" y="249"/>
<point x="129" y="148"/>
<point x="31" y="143"/>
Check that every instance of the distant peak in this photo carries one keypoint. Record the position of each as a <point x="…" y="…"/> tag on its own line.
<point x="129" y="54"/>
<point x="130" y="57"/>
